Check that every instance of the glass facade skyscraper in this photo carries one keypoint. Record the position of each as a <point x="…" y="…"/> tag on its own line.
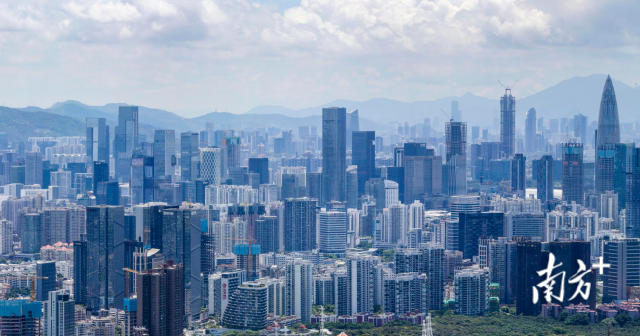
<point x="334" y="154"/>
<point x="364" y="156"/>
<point x="608" y="134"/>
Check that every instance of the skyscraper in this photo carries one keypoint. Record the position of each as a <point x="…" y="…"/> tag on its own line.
<point x="161" y="296"/>
<point x="545" y="178"/>
<point x="97" y="144"/>
<point x="211" y="161"/>
<point x="530" y="131"/>
<point x="456" y="114"/>
<point x="126" y="140"/>
<point x="247" y="308"/>
<point x="456" y="156"/>
<point x="363" y="272"/>
<point x="164" y="155"/>
<point x="624" y="257"/>
<point x="332" y="231"/>
<point x="633" y="197"/>
<point x="299" y="224"/>
<point x="299" y="289"/>
<point x="529" y="260"/>
<point x="105" y="281"/>
<point x="45" y="269"/>
<point x="472" y="226"/>
<point x="189" y="156"/>
<point x="623" y="165"/>
<point x="572" y="172"/>
<point x="80" y="272"/>
<point x="607" y="135"/>
<point x="334" y="153"/>
<point x="59" y="314"/>
<point x="33" y="168"/>
<point x="261" y="166"/>
<point x="508" y="123"/>
<point x="364" y="156"/>
<point x="518" y="174"/>
<point x="580" y="124"/>
<point x="353" y="125"/>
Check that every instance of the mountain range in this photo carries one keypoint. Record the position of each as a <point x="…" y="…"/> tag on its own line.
<point x="565" y="99"/>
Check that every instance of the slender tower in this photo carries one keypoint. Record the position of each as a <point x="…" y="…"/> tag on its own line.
<point x="508" y="123"/>
<point x="607" y="135"/>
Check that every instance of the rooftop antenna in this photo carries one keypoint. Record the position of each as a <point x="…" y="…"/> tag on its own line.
<point x="507" y="88"/>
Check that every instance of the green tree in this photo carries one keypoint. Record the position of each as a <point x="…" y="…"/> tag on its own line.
<point x="623" y="319"/>
<point x="578" y="319"/>
<point x="387" y="255"/>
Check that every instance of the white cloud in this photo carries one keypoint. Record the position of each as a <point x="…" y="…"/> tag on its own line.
<point x="212" y="14"/>
<point x="104" y="11"/>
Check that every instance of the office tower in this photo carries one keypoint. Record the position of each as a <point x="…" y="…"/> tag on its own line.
<point x="210" y="129"/>
<point x="260" y="166"/>
<point x="299" y="289"/>
<point x="567" y="253"/>
<point x="472" y="226"/>
<point x="33" y="168"/>
<point x="472" y="291"/>
<point x="607" y="135"/>
<point x="59" y="314"/>
<point x="32" y="235"/>
<point x="232" y="145"/>
<point x="379" y="145"/>
<point x="422" y="177"/>
<point x="518" y="174"/>
<point x="303" y="132"/>
<point x="475" y="133"/>
<point x="398" y="157"/>
<point x="545" y="179"/>
<point x="529" y="260"/>
<point x="97" y="141"/>
<point x="161" y="297"/>
<point x="179" y="228"/>
<point x="632" y="210"/>
<point x="456" y="114"/>
<point x="164" y="155"/>
<point x="525" y="224"/>
<point x="221" y="287"/>
<point x="352" y="187"/>
<point x="314" y="185"/>
<point x="126" y="140"/>
<point x="405" y="293"/>
<point x="572" y="172"/>
<point x="363" y="274"/>
<point x="20" y="317"/>
<point x="105" y="257"/>
<point x="332" y="231"/>
<point x="456" y="156"/>
<point x="248" y="260"/>
<point x="530" y="132"/>
<point x="364" y="156"/>
<point x="408" y="261"/>
<point x="623" y="165"/>
<point x="507" y="123"/>
<point x="334" y="153"/>
<point x="396" y="174"/>
<point x="353" y="125"/>
<point x="247" y="308"/>
<point x="142" y="181"/>
<point x="108" y="193"/>
<point x="624" y="257"/>
<point x="299" y="224"/>
<point x="211" y="162"/>
<point x="100" y="174"/>
<point x="45" y="269"/>
<point x="267" y="234"/>
<point x="433" y="258"/>
<point x="80" y="271"/>
<point x="580" y="123"/>
<point x="189" y="156"/>
<point x="6" y="237"/>
<point x="501" y="259"/>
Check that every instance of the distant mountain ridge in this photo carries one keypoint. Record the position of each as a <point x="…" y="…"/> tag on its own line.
<point x="20" y="125"/>
<point x="565" y="99"/>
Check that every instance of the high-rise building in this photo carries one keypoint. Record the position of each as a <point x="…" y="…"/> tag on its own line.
<point x="580" y="123"/>
<point x="211" y="163"/>
<point x="332" y="231"/>
<point x="472" y="226"/>
<point x="567" y="254"/>
<point x="623" y="165"/>
<point x="364" y="156"/>
<point x="97" y="145"/>
<point x="59" y="314"/>
<point x="405" y="293"/>
<point x="508" y="123"/>
<point x="100" y="174"/>
<point x="221" y="287"/>
<point x="80" y="272"/>
<point x="299" y="289"/>
<point x="20" y="317"/>
<point x="260" y="166"/>
<point x="363" y="274"/>
<point x="518" y="174"/>
<point x="572" y="172"/>
<point x="32" y="237"/>
<point x="624" y="257"/>
<point x="142" y="181"/>
<point x="472" y="291"/>
<point x="632" y="210"/>
<point x="164" y="155"/>
<point x="353" y="125"/>
<point x="179" y="228"/>
<point x="456" y="156"/>
<point x="545" y="178"/>
<point x="299" y="224"/>
<point x="105" y="257"/>
<point x="433" y="258"/>
<point x="530" y="132"/>
<point x="456" y="114"/>
<point x="607" y="135"/>
<point x="422" y="177"/>
<point x="529" y="260"/>
<point x="6" y="237"/>
<point x="161" y="300"/>
<point x="267" y="234"/>
<point x="45" y="269"/>
<point x="334" y="154"/>
<point x="33" y="168"/>
<point x="126" y="140"/>
<point x="189" y="156"/>
<point x="247" y="308"/>
<point x="501" y="259"/>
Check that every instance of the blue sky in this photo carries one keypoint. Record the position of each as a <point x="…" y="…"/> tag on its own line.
<point x="195" y="56"/>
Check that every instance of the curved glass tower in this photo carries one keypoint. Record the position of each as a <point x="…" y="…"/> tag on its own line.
<point x="607" y="136"/>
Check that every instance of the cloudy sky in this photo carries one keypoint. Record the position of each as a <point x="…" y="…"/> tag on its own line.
<point x="194" y="56"/>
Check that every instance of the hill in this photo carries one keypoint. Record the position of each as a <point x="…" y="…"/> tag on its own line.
<point x="21" y="125"/>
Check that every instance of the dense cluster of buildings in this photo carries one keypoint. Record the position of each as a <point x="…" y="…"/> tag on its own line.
<point x="258" y="228"/>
